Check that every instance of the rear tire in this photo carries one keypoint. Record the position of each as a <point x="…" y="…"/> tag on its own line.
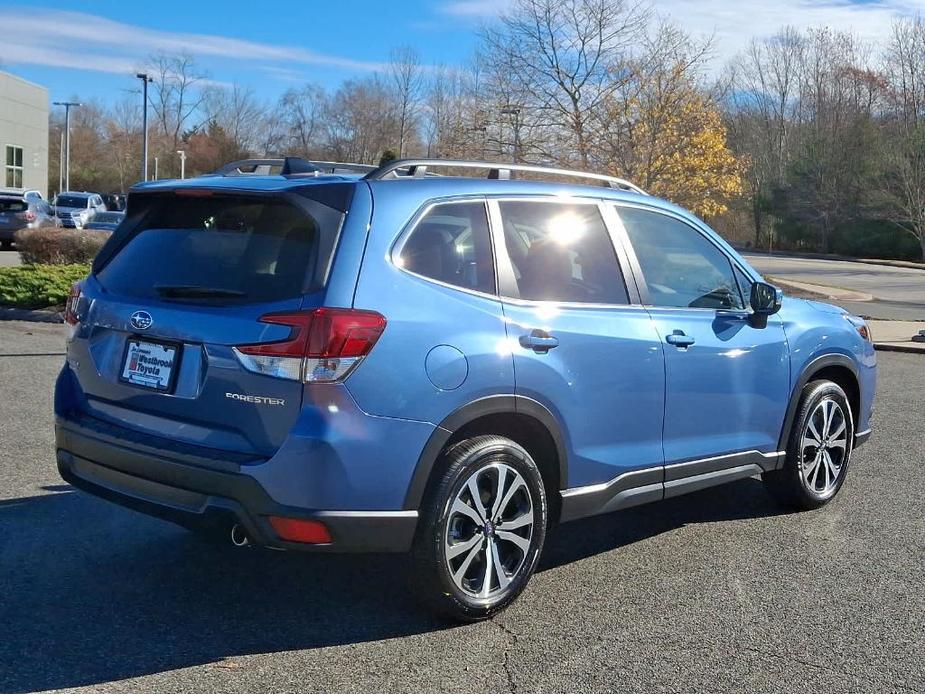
<point x="482" y="529"/>
<point x="819" y="449"/>
<point x="6" y="245"/>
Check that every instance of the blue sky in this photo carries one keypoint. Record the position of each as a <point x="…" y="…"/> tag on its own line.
<point x="90" y="50"/>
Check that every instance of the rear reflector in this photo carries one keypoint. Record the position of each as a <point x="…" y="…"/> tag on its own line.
<point x="324" y="345"/>
<point x="300" y="530"/>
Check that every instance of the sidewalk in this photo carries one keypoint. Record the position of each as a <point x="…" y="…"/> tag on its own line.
<point x="896" y="335"/>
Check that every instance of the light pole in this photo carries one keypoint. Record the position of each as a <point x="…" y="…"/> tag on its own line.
<point x="514" y="111"/>
<point x="61" y="164"/>
<point x="143" y="76"/>
<point x="67" y="140"/>
<point x="182" y="153"/>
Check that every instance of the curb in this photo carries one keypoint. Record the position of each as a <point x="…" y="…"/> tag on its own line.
<point x="31" y="316"/>
<point x="891" y="347"/>
<point x="908" y="264"/>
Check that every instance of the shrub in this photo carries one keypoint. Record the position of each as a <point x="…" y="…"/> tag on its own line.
<point x="38" y="286"/>
<point x="53" y="246"/>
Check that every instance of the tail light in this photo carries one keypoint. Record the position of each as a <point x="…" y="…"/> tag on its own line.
<point x="70" y="307"/>
<point x="29" y="215"/>
<point x="324" y="345"/>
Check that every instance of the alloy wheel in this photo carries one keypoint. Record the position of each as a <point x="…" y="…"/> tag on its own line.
<point x="824" y="447"/>
<point x="489" y="531"/>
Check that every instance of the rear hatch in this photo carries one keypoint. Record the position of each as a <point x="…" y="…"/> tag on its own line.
<point x="185" y="280"/>
<point x="14" y="213"/>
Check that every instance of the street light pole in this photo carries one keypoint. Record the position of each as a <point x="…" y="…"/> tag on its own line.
<point x="515" y="112"/>
<point x="182" y="154"/>
<point x="143" y="76"/>
<point x="67" y="140"/>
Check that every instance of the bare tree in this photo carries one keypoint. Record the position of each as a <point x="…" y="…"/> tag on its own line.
<point x="300" y="112"/>
<point x="559" y="53"/>
<point x="408" y="79"/>
<point x="175" y="95"/>
<point x="236" y="111"/>
<point x="904" y="62"/>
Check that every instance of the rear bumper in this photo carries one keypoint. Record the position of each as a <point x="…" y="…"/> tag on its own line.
<point x="208" y="492"/>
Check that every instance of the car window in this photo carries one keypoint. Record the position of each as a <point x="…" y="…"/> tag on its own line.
<point x="451" y="244"/>
<point x="680" y="266"/>
<point x="249" y="248"/>
<point x="562" y="252"/>
<point x="745" y="285"/>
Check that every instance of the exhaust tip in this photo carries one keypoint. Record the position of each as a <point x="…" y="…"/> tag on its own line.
<point x="239" y="536"/>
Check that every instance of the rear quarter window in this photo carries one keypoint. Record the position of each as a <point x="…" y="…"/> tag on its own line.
<point x="228" y="247"/>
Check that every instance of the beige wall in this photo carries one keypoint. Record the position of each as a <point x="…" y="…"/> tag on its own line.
<point x="24" y="123"/>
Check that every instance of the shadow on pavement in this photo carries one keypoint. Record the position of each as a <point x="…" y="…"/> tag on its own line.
<point x="93" y="593"/>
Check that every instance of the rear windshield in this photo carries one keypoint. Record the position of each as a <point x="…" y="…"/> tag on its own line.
<point x="223" y="247"/>
<point x="13" y="205"/>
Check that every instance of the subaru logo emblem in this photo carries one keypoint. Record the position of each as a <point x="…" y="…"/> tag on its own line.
<point x="141" y="320"/>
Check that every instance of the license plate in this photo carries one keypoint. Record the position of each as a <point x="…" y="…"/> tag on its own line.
<point x="150" y="364"/>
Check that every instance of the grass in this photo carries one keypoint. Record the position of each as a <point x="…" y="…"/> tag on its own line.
<point x="38" y="286"/>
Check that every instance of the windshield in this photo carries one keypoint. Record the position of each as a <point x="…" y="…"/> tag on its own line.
<point x="71" y="201"/>
<point x="223" y="247"/>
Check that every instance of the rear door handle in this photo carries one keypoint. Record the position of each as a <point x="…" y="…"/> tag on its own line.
<point x="539" y="341"/>
<point x="679" y="339"/>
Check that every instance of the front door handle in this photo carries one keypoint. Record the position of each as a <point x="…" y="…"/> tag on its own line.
<point x="539" y="341"/>
<point x="679" y="339"/>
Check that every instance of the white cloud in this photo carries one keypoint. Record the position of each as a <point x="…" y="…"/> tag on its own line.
<point x="733" y="23"/>
<point x="90" y="42"/>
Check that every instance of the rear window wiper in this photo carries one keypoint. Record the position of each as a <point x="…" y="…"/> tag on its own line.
<point x="191" y="291"/>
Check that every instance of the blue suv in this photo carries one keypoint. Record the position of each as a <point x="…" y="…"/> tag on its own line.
<point x="342" y="358"/>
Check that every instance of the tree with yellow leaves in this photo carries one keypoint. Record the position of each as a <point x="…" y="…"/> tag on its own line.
<point x="664" y="132"/>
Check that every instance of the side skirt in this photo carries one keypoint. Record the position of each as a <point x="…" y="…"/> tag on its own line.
<point x="654" y="484"/>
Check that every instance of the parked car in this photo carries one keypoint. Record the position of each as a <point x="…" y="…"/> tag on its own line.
<point x="74" y="210"/>
<point x="20" y="212"/>
<point x="105" y="221"/>
<point x="444" y="366"/>
<point x="115" y="202"/>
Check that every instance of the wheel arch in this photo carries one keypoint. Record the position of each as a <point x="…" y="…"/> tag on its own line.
<point x="836" y="367"/>
<point x="522" y="419"/>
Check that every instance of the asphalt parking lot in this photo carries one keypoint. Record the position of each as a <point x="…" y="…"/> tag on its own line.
<point x="719" y="591"/>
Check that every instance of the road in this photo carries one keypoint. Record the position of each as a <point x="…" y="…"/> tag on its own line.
<point x="720" y="591"/>
<point x="8" y="258"/>
<point x="899" y="293"/>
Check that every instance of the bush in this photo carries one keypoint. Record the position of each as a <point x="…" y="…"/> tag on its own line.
<point x="38" y="286"/>
<point x="53" y="246"/>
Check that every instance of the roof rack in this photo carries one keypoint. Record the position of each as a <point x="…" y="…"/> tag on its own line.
<point x="288" y="166"/>
<point x="336" y="166"/>
<point x="417" y="168"/>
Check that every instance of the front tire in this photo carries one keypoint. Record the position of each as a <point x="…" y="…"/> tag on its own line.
<point x="482" y="529"/>
<point x="819" y="450"/>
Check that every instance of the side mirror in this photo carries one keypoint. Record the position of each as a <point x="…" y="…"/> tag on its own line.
<point x="765" y="299"/>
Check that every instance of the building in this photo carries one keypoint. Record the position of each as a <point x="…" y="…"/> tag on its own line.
<point x="23" y="134"/>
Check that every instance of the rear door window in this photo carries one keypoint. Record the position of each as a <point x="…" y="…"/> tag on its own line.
<point x="562" y="252"/>
<point x="227" y="247"/>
